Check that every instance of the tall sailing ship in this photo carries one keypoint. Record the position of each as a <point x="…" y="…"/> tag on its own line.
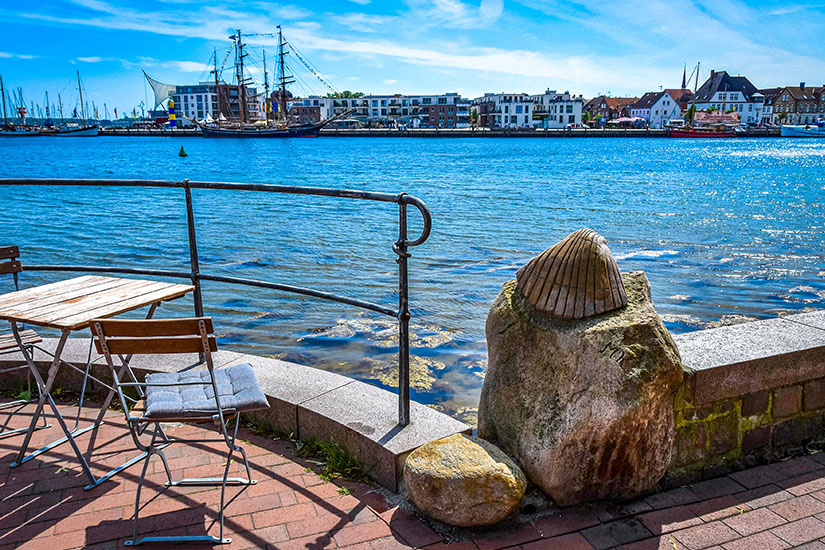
<point x="237" y="109"/>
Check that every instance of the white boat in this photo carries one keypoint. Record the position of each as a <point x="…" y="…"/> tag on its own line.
<point x="809" y="130"/>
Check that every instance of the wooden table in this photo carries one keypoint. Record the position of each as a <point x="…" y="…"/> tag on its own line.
<point x="69" y="306"/>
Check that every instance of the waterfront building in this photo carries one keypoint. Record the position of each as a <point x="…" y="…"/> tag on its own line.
<point x="657" y="108"/>
<point x="731" y="94"/>
<point x="771" y="95"/>
<point x="207" y="100"/>
<point x="607" y="108"/>
<point x="557" y="110"/>
<point x="799" y="105"/>
<point x="448" y="110"/>
<point x="505" y="110"/>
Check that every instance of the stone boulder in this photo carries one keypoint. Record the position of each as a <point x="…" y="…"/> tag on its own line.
<point x="586" y="405"/>
<point x="464" y="481"/>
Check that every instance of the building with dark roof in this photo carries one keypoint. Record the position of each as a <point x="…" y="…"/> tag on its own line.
<point x="731" y="93"/>
<point x="799" y="104"/>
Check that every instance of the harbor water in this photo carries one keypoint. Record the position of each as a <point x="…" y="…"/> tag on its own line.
<point x="727" y="230"/>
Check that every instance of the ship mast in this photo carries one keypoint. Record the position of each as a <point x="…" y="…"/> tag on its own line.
<point x="60" y="104"/>
<point x="695" y="89"/>
<point x="282" y="107"/>
<point x="82" y="110"/>
<point x="239" y="54"/>
<point x="3" y="93"/>
<point x="266" y="90"/>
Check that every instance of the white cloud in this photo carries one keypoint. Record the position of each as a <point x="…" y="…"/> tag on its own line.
<point x="7" y="55"/>
<point x="363" y="22"/>
<point x="188" y="66"/>
<point x="93" y="59"/>
<point x="361" y="2"/>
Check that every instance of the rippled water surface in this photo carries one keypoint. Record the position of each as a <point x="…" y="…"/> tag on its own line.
<point x="724" y="229"/>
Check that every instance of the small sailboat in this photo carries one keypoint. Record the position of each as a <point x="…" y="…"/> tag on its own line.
<point x="73" y="129"/>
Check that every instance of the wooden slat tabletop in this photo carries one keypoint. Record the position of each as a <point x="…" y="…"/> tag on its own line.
<point x="72" y="303"/>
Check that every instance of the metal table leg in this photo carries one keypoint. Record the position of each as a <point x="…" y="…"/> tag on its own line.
<point x="45" y="397"/>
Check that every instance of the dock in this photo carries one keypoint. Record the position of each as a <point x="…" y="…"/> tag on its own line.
<point x="448" y="132"/>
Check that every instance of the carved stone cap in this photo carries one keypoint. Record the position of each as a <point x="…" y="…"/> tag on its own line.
<point x="576" y="278"/>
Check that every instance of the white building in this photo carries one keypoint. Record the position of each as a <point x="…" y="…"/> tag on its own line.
<point x="557" y="110"/>
<point x="657" y="108"/>
<point x="414" y="111"/>
<point x="731" y="93"/>
<point x="505" y="110"/>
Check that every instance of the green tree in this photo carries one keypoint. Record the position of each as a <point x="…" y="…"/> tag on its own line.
<point x="586" y="117"/>
<point x="474" y="115"/>
<point x="690" y="113"/>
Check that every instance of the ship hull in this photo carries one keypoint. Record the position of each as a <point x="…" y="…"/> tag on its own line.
<point x="301" y="131"/>
<point x="86" y="131"/>
<point x="802" y="131"/>
<point x="698" y="134"/>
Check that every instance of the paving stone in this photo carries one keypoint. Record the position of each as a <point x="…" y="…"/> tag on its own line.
<point x="703" y="536"/>
<point x="798" y="508"/>
<point x="718" y="508"/>
<point x="804" y="484"/>
<point x="760" y="541"/>
<point x="763" y="496"/>
<point x="754" y="521"/>
<point x="664" y="521"/>
<point x="801" y="531"/>
<point x="662" y="542"/>
<point x="510" y="536"/>
<point x="573" y="541"/>
<point x="713" y="488"/>
<point x="757" y="477"/>
<point x="615" y="533"/>
<point x="673" y="497"/>
<point x="814" y="545"/>
<point x="564" y="520"/>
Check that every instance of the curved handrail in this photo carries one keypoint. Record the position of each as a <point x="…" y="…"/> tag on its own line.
<point x="399" y="198"/>
<point x="399" y="247"/>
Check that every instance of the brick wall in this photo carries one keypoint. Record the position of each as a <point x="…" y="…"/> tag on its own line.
<point x="761" y="408"/>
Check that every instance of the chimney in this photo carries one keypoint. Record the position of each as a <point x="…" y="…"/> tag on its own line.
<point x="801" y="85"/>
<point x="712" y="74"/>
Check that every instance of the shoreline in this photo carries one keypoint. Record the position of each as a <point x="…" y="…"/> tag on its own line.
<point x="448" y="133"/>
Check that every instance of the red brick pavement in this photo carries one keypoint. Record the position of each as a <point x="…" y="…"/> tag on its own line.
<point x="43" y="505"/>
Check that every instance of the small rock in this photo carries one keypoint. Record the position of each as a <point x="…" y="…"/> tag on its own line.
<point x="464" y="481"/>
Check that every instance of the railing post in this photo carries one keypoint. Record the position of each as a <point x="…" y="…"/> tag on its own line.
<point x="193" y="250"/>
<point x="403" y="319"/>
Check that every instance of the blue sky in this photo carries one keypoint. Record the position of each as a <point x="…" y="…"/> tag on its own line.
<point x="416" y="46"/>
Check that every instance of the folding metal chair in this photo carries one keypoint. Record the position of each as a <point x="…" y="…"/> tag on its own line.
<point x="211" y="395"/>
<point x="9" y="264"/>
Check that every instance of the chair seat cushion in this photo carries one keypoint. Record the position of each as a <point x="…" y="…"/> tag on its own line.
<point x="238" y="388"/>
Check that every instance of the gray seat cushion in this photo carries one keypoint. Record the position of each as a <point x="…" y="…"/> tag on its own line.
<point x="238" y="388"/>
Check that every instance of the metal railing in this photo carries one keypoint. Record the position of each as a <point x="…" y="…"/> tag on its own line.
<point x="400" y="247"/>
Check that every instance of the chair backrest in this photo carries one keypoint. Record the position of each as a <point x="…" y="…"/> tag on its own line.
<point x="153" y="336"/>
<point x="9" y="262"/>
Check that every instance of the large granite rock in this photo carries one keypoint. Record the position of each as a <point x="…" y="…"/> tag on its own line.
<point x="464" y="481"/>
<point x="585" y="406"/>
